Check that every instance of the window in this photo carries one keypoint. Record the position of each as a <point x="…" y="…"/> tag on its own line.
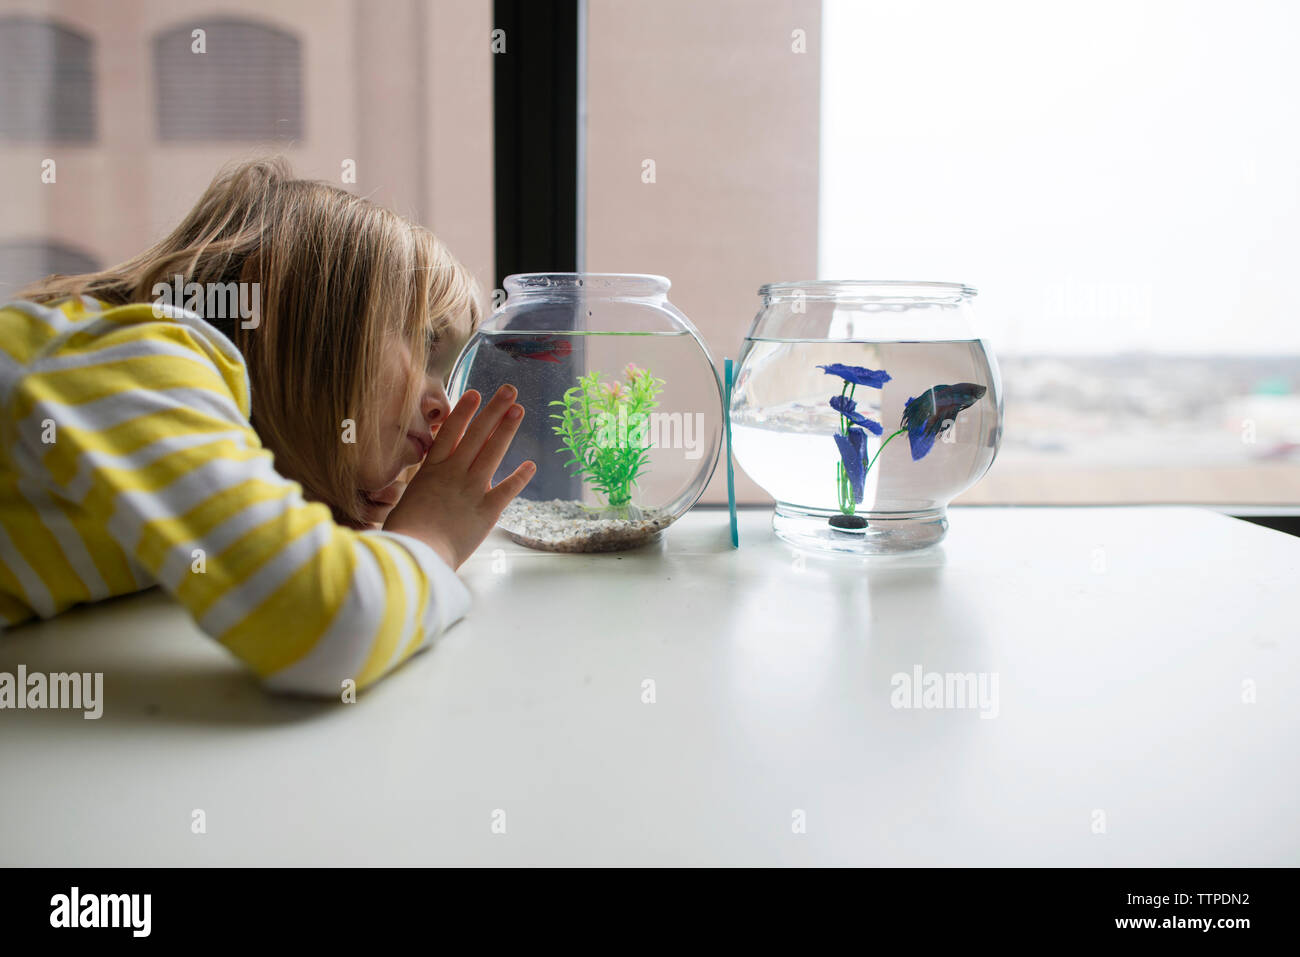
<point x="22" y="262"/>
<point x="47" y="82"/>
<point x="1120" y="182"/>
<point x="235" y="80"/>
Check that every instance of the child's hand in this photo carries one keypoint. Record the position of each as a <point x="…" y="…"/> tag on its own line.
<point x="450" y="504"/>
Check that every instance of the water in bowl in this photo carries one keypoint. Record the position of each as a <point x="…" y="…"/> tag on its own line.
<point x="648" y="466"/>
<point x="783" y="431"/>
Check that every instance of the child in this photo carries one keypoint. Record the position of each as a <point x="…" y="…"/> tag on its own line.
<point x="256" y="466"/>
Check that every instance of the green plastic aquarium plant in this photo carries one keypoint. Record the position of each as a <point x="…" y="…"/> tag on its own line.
<point x="605" y="428"/>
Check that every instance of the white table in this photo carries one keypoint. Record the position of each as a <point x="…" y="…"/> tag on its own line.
<point x="1121" y="638"/>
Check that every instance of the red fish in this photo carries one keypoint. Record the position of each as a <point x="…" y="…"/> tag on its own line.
<point x="545" y="348"/>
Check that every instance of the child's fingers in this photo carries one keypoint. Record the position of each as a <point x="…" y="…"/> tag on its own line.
<point x="494" y="449"/>
<point x="485" y="424"/>
<point x="504" y="491"/>
<point x="448" y="436"/>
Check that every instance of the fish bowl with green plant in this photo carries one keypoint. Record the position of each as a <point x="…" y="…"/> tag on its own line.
<point x="623" y="407"/>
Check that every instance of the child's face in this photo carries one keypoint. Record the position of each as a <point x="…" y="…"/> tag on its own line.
<point x="395" y="437"/>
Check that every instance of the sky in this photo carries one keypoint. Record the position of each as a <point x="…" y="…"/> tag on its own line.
<point x="1110" y="175"/>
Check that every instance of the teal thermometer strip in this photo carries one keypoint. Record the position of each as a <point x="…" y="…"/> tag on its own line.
<point x="731" y="471"/>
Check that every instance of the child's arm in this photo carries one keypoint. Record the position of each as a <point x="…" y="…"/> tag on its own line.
<point x="151" y="438"/>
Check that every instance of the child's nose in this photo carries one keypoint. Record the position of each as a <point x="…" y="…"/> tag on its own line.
<point x="435" y="406"/>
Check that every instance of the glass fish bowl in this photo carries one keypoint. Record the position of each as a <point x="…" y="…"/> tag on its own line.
<point x="864" y="407"/>
<point x="623" y="407"/>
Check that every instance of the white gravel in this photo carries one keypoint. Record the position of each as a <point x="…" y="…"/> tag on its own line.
<point x="567" y="526"/>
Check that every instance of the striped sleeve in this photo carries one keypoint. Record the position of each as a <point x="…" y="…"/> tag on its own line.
<point x="150" y="435"/>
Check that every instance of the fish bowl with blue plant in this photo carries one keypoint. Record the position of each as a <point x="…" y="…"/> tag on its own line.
<point x="623" y="407"/>
<point x="863" y="408"/>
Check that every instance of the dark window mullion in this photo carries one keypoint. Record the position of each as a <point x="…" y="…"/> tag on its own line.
<point x="535" y="102"/>
<point x="535" y="97"/>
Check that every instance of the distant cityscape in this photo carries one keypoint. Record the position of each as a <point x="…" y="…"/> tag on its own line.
<point x="1135" y="428"/>
<point x="1145" y="409"/>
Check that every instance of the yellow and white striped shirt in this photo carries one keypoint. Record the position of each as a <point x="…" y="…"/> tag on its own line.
<point x="127" y="460"/>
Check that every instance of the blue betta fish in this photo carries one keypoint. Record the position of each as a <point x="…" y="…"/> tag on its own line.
<point x="925" y="416"/>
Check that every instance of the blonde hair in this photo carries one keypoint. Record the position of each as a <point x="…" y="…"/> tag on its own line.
<point x="337" y="274"/>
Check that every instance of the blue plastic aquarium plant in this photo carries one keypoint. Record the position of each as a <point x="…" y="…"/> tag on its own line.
<point x="924" y="418"/>
<point x="604" y="426"/>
